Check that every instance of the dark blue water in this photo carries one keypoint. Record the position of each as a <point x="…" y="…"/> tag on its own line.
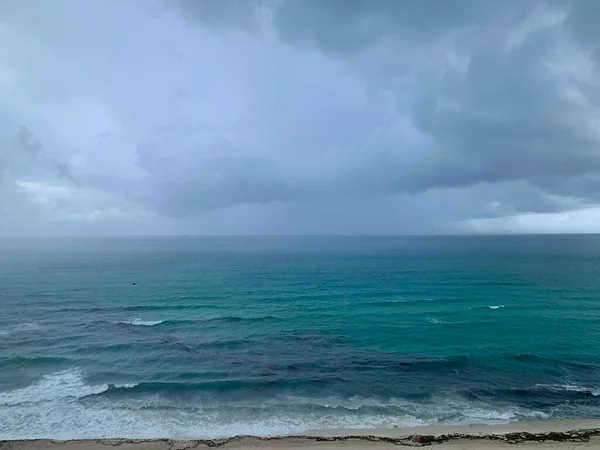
<point x="221" y="336"/>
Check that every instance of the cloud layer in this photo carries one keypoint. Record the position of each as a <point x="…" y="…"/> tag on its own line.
<point x="302" y="116"/>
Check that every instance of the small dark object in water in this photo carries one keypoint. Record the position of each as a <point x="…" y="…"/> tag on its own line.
<point x="133" y="284"/>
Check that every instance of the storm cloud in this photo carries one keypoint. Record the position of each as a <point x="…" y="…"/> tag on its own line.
<point x="311" y="116"/>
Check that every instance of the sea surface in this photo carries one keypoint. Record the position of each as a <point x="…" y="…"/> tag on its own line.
<point x="160" y="337"/>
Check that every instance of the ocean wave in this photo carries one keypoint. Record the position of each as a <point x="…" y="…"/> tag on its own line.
<point x="234" y="390"/>
<point x="243" y="319"/>
<point x="66" y="384"/>
<point x="436" y="321"/>
<point x="548" y="397"/>
<point x="34" y="361"/>
<point x="398" y="301"/>
<point x="124" y="386"/>
<point x="27" y="327"/>
<point x="135" y="418"/>
<point x="495" y="306"/>
<point x="166" y="388"/>
<point x="209" y="320"/>
<point x="133" y="308"/>
<point x="166" y="307"/>
<point x="274" y="379"/>
<point x="140" y="322"/>
<point x="444" y="410"/>
<point x="136" y="409"/>
<point x="595" y="392"/>
<point x="568" y="365"/>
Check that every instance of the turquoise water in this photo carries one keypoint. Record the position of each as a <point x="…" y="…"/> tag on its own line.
<point x="222" y="336"/>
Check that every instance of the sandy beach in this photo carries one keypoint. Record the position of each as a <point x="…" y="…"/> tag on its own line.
<point x="558" y="434"/>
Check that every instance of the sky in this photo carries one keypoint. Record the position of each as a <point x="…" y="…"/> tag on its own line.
<point x="153" y="117"/>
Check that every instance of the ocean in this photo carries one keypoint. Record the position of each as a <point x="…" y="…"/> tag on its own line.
<point x="218" y="336"/>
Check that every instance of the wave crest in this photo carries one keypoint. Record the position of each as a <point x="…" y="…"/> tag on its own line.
<point x="140" y="322"/>
<point x="595" y="392"/>
<point x="66" y="384"/>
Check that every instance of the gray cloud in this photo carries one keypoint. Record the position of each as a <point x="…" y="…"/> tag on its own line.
<point x="380" y="116"/>
<point x="582" y="21"/>
<point x="63" y="171"/>
<point x="222" y="16"/>
<point x="353" y="26"/>
<point x="22" y="154"/>
<point x="507" y="120"/>
<point x="492" y="89"/>
<point x="23" y="140"/>
<point x="223" y="177"/>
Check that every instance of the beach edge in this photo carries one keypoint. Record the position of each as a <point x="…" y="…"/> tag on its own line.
<point x="566" y="431"/>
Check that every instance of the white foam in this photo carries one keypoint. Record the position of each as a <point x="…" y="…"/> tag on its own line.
<point x="495" y="306"/>
<point x="126" y="385"/>
<point x="75" y="421"/>
<point x="143" y="418"/>
<point x="570" y="388"/>
<point x="140" y="322"/>
<point x="436" y="321"/>
<point x="50" y="408"/>
<point x="67" y="384"/>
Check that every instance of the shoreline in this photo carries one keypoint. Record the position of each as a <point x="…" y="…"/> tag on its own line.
<point x="520" y="426"/>
<point x="566" y="433"/>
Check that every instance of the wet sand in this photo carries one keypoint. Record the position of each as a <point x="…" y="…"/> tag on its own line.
<point x="560" y="434"/>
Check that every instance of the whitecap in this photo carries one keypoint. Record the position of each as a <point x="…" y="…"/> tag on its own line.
<point x="52" y="387"/>
<point x="570" y="388"/>
<point x="436" y="321"/>
<point x="100" y="418"/>
<point x="126" y="385"/>
<point x="140" y="322"/>
<point x="495" y="306"/>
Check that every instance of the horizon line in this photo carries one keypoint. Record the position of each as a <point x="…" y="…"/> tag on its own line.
<point x="125" y="236"/>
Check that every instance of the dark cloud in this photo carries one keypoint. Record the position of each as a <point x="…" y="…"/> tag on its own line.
<point x="23" y="140"/>
<point x="507" y="120"/>
<point x="500" y="119"/>
<point x="501" y="93"/>
<point x="221" y="15"/>
<point x="63" y="171"/>
<point x="354" y="25"/>
<point x="583" y="21"/>
<point x="302" y="115"/>
<point x="214" y="177"/>
<point x="22" y="154"/>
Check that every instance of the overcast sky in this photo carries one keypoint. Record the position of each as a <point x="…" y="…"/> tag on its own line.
<point x="299" y="116"/>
